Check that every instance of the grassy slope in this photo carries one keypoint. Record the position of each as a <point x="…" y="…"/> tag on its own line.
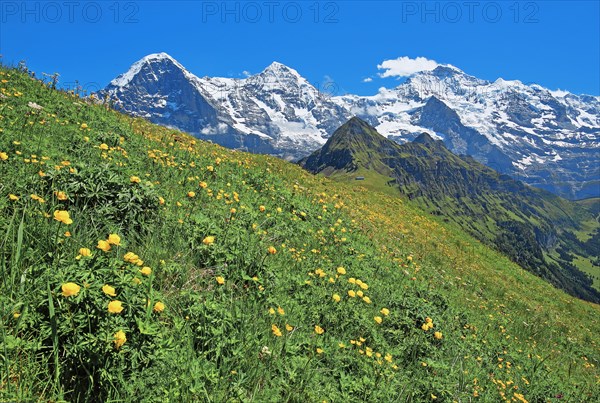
<point x="506" y="333"/>
<point x="357" y="149"/>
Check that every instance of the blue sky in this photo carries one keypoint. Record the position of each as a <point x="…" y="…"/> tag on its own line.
<point x="553" y="43"/>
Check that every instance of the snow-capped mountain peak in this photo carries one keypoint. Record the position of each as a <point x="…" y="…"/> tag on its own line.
<point x="155" y="58"/>
<point x="550" y="139"/>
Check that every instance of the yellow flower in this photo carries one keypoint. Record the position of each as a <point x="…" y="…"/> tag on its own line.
<point x="378" y="319"/>
<point x="351" y="293"/>
<point x="319" y="329"/>
<point x="161" y="200"/>
<point x="271" y="311"/>
<point x="134" y="179"/>
<point x="114" y="239"/>
<point x="425" y="327"/>
<point x="385" y="311"/>
<point x="63" y="217"/>
<point x="120" y="339"/>
<point x="108" y="290"/>
<point x="17" y="315"/>
<point x="84" y="126"/>
<point x="428" y="320"/>
<point x="159" y="307"/>
<point x="341" y="270"/>
<point x="130" y="257"/>
<point x="438" y="335"/>
<point x="220" y="280"/>
<point x="70" y="289"/>
<point x="103" y="246"/>
<point x="209" y="240"/>
<point x="364" y="286"/>
<point x="115" y="306"/>
<point x="367" y="299"/>
<point x="67" y="234"/>
<point x="359" y="293"/>
<point x="352" y="280"/>
<point x="289" y="327"/>
<point x="146" y="271"/>
<point x="388" y="357"/>
<point x="280" y="311"/>
<point x="262" y="208"/>
<point x="336" y="298"/>
<point x="61" y="195"/>
<point x="276" y="331"/>
<point x="320" y="350"/>
<point x="203" y="185"/>
<point x="3" y="156"/>
<point x="210" y="168"/>
<point x="103" y="146"/>
<point x="13" y="197"/>
<point x="191" y="194"/>
<point x="272" y="250"/>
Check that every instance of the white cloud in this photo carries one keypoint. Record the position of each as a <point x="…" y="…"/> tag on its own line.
<point x="246" y="73"/>
<point x="367" y="80"/>
<point x="405" y="66"/>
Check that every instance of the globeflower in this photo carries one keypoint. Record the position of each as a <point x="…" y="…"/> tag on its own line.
<point x="191" y="194"/>
<point x="108" y="290"/>
<point x="146" y="271"/>
<point x="63" y="217"/>
<point x="134" y="179"/>
<point x="84" y="252"/>
<point x="209" y="240"/>
<point x="438" y="335"/>
<point x="336" y="298"/>
<point x="70" y="289"/>
<point x="341" y="270"/>
<point x="220" y="280"/>
<point x="159" y="307"/>
<point x="378" y="319"/>
<point x="3" y="156"/>
<point x="276" y="330"/>
<point x="271" y="250"/>
<point x="385" y="311"/>
<point x="114" y="239"/>
<point x="319" y="329"/>
<point x="13" y="197"/>
<point x="119" y="339"/>
<point x="351" y="293"/>
<point x="115" y="306"/>
<point x="103" y="245"/>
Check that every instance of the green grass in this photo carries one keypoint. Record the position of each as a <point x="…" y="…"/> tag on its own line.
<point x="504" y="332"/>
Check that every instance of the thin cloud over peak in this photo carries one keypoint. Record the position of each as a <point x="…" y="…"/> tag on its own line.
<point x="405" y="66"/>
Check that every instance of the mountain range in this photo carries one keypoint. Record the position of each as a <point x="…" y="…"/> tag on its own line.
<point x="534" y="227"/>
<point x="548" y="139"/>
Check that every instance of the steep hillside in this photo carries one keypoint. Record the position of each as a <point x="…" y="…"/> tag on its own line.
<point x="139" y="264"/>
<point x="533" y="227"/>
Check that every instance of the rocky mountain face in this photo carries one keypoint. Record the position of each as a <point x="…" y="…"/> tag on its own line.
<point x="533" y="227"/>
<point x="548" y="139"/>
<point x="276" y="112"/>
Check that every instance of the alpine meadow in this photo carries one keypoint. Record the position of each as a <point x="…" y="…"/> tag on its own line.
<point x="142" y="264"/>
